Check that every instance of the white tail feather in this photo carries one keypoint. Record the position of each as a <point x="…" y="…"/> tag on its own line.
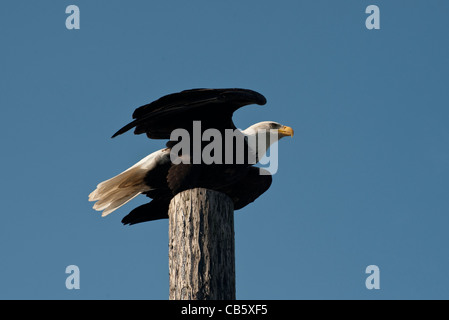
<point x="117" y="191"/>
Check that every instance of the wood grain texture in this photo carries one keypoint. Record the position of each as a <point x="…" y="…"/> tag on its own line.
<point x="201" y="246"/>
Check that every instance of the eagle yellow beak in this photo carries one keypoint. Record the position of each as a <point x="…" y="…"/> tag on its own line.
<point x="286" y="131"/>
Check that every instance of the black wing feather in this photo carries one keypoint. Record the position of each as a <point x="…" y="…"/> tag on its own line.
<point x="214" y="107"/>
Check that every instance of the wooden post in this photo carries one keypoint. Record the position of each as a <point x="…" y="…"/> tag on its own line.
<point x="201" y="246"/>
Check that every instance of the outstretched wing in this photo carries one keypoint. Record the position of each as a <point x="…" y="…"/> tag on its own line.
<point x="213" y="107"/>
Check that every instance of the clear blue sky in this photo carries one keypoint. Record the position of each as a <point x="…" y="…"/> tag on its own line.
<point x="364" y="181"/>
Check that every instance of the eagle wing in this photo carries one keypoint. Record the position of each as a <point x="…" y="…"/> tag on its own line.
<point x="213" y="107"/>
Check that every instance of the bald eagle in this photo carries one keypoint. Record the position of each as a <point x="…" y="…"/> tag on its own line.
<point x="160" y="178"/>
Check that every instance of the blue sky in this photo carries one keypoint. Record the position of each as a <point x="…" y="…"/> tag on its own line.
<point x="364" y="181"/>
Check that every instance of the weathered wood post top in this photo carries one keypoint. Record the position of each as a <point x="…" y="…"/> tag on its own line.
<point x="201" y="246"/>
